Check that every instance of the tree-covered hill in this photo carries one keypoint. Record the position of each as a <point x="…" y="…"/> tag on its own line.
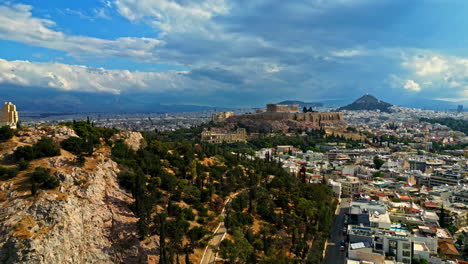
<point x="180" y="187"/>
<point x="454" y="124"/>
<point x="368" y="102"/>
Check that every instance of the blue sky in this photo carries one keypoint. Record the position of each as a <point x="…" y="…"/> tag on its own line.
<point x="236" y="53"/>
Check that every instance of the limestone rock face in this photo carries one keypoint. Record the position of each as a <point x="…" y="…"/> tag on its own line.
<point x="31" y="135"/>
<point x="134" y="140"/>
<point x="87" y="219"/>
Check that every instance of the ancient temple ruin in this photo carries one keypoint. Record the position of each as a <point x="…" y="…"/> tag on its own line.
<point x="9" y="115"/>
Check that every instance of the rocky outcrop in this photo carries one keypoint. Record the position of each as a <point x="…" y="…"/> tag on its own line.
<point x="134" y="140"/>
<point x="58" y="133"/>
<point x="85" y="220"/>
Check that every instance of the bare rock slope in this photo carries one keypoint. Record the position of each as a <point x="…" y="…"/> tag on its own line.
<point x="85" y="220"/>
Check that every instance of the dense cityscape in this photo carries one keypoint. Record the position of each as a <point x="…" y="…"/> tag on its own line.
<point x="398" y="176"/>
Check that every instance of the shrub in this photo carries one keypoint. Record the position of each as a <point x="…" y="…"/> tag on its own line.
<point x="74" y="144"/>
<point x="25" y="153"/>
<point x="45" y="147"/>
<point x="6" y="173"/>
<point x="42" y="177"/>
<point x="23" y="164"/>
<point x="6" y="133"/>
<point x="126" y="179"/>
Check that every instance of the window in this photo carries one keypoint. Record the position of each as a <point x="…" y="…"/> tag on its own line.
<point x="406" y="260"/>
<point x="407" y="253"/>
<point x="392" y="244"/>
<point x="406" y="245"/>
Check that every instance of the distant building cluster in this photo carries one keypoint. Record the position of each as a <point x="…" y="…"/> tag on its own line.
<point x="216" y="135"/>
<point x="9" y="115"/>
<point x="221" y="116"/>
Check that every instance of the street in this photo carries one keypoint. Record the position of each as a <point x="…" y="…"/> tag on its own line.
<point x="333" y="254"/>
<point x="209" y="256"/>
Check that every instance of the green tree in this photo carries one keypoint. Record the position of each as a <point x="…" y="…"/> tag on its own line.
<point x="378" y="162"/>
<point x="238" y="250"/>
<point x="45" y="147"/>
<point x="42" y="177"/>
<point x="23" y="164"/>
<point x="6" y="133"/>
<point x="7" y="173"/>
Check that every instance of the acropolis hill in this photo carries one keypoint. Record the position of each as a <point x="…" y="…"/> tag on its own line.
<point x="286" y="117"/>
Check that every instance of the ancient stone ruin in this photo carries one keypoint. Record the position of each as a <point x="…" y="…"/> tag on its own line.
<point x="9" y="115"/>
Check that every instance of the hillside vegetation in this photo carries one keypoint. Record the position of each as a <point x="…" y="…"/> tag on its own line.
<point x="59" y="198"/>
<point x="180" y="188"/>
<point x="454" y="124"/>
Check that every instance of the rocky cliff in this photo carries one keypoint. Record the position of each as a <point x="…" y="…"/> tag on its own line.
<point x="87" y="219"/>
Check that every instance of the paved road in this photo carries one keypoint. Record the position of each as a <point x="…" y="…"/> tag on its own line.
<point x="209" y="256"/>
<point x="333" y="254"/>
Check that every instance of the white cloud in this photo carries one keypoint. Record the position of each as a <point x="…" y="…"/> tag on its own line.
<point x="101" y="13"/>
<point x="426" y="66"/>
<point x="347" y="53"/>
<point x="441" y="74"/>
<point x="272" y="68"/>
<point x="167" y="15"/>
<point x="18" y="24"/>
<point x="411" y="85"/>
<point x="454" y="100"/>
<point x="85" y="79"/>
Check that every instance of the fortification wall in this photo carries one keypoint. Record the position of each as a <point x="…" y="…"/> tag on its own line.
<point x="282" y="108"/>
<point x="292" y="120"/>
<point x="306" y="117"/>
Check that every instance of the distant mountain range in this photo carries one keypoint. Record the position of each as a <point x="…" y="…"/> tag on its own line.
<point x="63" y="102"/>
<point x="368" y="102"/>
<point x="301" y="104"/>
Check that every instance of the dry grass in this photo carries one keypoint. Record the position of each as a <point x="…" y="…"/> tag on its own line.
<point x="3" y="196"/>
<point x="347" y="135"/>
<point x="23" y="228"/>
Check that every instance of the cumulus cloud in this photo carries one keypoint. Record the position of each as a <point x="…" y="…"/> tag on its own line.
<point x="86" y="79"/>
<point x="18" y="24"/>
<point x="427" y="65"/>
<point x="411" y="85"/>
<point x="180" y="16"/>
<point x="443" y="74"/>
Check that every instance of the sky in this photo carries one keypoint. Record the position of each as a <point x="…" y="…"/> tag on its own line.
<point x="237" y="53"/>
